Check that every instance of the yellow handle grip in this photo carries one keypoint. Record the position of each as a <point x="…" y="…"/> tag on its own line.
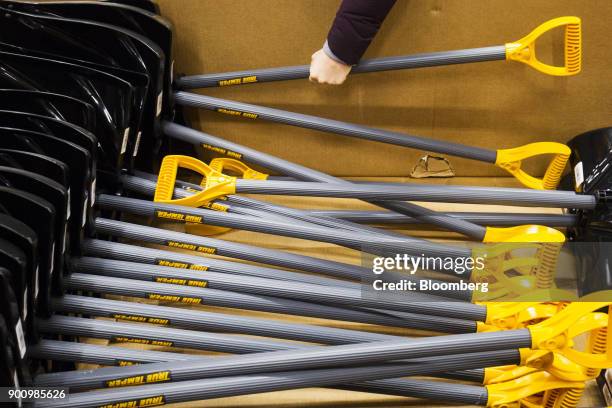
<point x="215" y="185"/>
<point x="223" y="163"/>
<point x="524" y="50"/>
<point x="524" y="233"/>
<point x="557" y="332"/>
<point x="511" y="393"/>
<point x="511" y="159"/>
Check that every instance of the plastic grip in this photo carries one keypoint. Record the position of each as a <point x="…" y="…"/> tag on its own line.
<point x="223" y="163"/>
<point x="557" y="332"/>
<point x="215" y="184"/>
<point x="524" y="50"/>
<point x="508" y="393"/>
<point x="511" y="160"/>
<point x="553" y="174"/>
<point x="524" y="233"/>
<point x="166" y="180"/>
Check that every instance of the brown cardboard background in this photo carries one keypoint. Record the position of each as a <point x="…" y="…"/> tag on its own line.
<point x="493" y="104"/>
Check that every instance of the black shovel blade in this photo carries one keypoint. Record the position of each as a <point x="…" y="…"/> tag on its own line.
<point x="56" y="170"/>
<point x="39" y="215"/>
<point x="52" y="192"/>
<point x="591" y="160"/>
<point x="139" y="82"/>
<point x="111" y="96"/>
<point x="15" y="261"/>
<point x="49" y="104"/>
<point x="54" y="127"/>
<point x="593" y="255"/>
<point x="87" y="40"/>
<point x="78" y="160"/>
<point x="24" y="237"/>
<point x="148" y="24"/>
<point x="591" y="163"/>
<point x="13" y="269"/>
<point x="19" y="336"/>
<point x="9" y="375"/>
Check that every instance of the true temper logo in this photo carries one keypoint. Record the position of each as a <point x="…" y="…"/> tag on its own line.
<point x="122" y="339"/>
<point x="172" y="298"/>
<point x="191" y="247"/>
<point x="160" y="376"/>
<point x="180" y="265"/>
<point x="143" y="402"/>
<point x="172" y="264"/>
<point x="142" y="319"/>
<point x="184" y="282"/>
<point x="238" y="81"/>
<point x="237" y="113"/>
<point x="221" y="150"/>
<point x="167" y="215"/>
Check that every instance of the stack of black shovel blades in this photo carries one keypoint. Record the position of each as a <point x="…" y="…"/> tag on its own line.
<point x="82" y="89"/>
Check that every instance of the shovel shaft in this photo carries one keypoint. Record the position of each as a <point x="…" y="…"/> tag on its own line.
<point x="229" y="249"/>
<point x="140" y="254"/>
<point x="115" y="284"/>
<point x="119" y="356"/>
<point x="420" y="192"/>
<point x="409" y="302"/>
<point x="492" y="219"/>
<point x="334" y="126"/>
<point x="109" y="355"/>
<point x="373" y="245"/>
<point x="204" y="328"/>
<point x="432" y="59"/>
<point x="368" y="379"/>
<point x="304" y="173"/>
<point x="307" y="358"/>
<point x="245" y="206"/>
<point x="128" y="332"/>
<point x="235" y="203"/>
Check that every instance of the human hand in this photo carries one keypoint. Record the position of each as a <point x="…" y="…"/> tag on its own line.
<point x="325" y="70"/>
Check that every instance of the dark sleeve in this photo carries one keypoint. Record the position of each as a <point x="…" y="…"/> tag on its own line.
<point x="355" y="26"/>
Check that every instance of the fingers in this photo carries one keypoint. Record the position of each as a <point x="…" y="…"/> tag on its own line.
<point x="324" y="70"/>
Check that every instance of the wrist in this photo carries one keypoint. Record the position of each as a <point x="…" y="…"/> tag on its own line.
<point x="327" y="50"/>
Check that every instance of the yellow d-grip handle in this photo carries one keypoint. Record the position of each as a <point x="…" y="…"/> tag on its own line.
<point x="557" y="332"/>
<point x="223" y="163"/>
<point x="511" y="160"/>
<point x="524" y="233"/>
<point x="511" y="393"/>
<point x="524" y="50"/>
<point x="216" y="184"/>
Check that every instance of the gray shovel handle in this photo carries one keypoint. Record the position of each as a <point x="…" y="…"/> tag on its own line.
<point x="421" y="192"/>
<point x="411" y="302"/>
<point x="305" y="358"/>
<point x="108" y="355"/>
<point x="423" y="60"/>
<point x="140" y="254"/>
<point x="229" y="249"/>
<point x="368" y="379"/>
<point x="482" y="218"/>
<point x="144" y="289"/>
<point x="334" y="126"/>
<point x="304" y="173"/>
<point x="372" y="245"/>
